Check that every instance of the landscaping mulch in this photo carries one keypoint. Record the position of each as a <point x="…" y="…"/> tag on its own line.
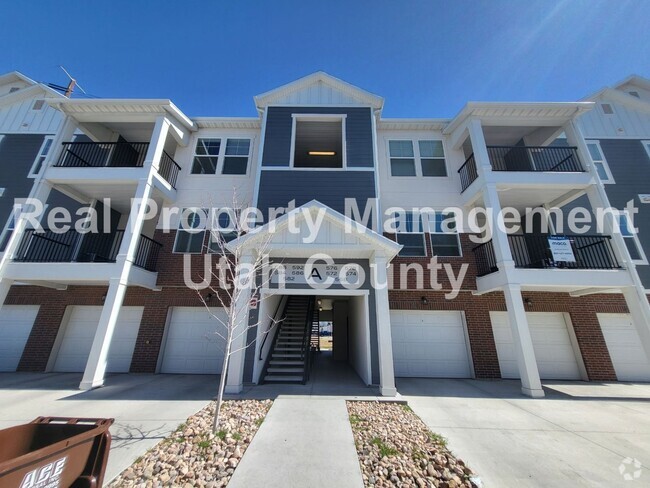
<point x="195" y="456"/>
<point x="397" y="449"/>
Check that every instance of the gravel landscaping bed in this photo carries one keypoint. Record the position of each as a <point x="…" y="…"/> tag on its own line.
<point x="397" y="449"/>
<point x="193" y="455"/>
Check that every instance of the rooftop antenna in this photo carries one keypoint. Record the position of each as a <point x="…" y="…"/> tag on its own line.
<point x="72" y="84"/>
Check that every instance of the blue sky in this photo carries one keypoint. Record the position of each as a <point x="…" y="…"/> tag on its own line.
<point x="426" y="58"/>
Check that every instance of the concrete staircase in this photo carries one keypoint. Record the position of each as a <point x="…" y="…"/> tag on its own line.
<point x="290" y="352"/>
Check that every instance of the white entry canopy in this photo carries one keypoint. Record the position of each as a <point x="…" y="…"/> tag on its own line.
<point x="316" y="228"/>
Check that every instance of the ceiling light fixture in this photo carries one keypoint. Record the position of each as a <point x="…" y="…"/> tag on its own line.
<point x="322" y="153"/>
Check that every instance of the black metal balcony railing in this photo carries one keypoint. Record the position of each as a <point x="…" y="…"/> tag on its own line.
<point x="169" y="169"/>
<point x="552" y="159"/>
<point x="532" y="251"/>
<point x="115" y="155"/>
<point x="68" y="247"/>
<point x="467" y="173"/>
<point x="103" y="154"/>
<point x="535" y="158"/>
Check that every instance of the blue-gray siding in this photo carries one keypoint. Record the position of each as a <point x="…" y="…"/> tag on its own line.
<point x="358" y="126"/>
<point x="279" y="187"/>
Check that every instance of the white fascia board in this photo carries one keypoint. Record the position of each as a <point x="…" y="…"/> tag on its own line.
<point x="227" y="122"/>
<point x="412" y="124"/>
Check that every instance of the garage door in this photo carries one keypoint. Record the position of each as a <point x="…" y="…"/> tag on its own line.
<point x="192" y="346"/>
<point x="79" y="334"/>
<point x="625" y="350"/>
<point x="15" y="325"/>
<point x="556" y="359"/>
<point x="429" y="344"/>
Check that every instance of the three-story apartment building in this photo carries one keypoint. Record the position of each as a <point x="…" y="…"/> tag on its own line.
<point x="465" y="297"/>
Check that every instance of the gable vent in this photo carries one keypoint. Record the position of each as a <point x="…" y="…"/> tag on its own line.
<point x="607" y="108"/>
<point x="38" y="105"/>
<point x="634" y="94"/>
<point x="13" y="89"/>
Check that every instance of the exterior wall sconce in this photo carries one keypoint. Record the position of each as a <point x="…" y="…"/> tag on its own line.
<point x="424" y="300"/>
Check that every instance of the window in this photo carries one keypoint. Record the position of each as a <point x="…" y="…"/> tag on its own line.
<point x="206" y="156"/>
<point x="599" y="161"/>
<point x="410" y="234"/>
<point x="210" y="157"/>
<point x="191" y="231"/>
<point x="236" y="160"/>
<point x="41" y="157"/>
<point x="444" y="235"/>
<point x="607" y="108"/>
<point x="5" y="234"/>
<point x="631" y="238"/>
<point x="402" y="158"/>
<point x="223" y="230"/>
<point x="430" y="154"/>
<point x="432" y="158"/>
<point x="318" y="141"/>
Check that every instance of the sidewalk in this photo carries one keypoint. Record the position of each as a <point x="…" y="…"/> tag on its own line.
<point x="303" y="442"/>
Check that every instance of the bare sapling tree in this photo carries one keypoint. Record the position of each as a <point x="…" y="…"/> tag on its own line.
<point x="237" y="278"/>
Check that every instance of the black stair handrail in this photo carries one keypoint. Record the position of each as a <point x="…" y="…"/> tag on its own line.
<point x="280" y="323"/>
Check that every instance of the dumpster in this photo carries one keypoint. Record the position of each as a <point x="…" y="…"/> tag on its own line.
<point x="55" y="452"/>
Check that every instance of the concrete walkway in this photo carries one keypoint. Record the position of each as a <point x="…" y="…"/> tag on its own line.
<point x="303" y="442"/>
<point x="580" y="435"/>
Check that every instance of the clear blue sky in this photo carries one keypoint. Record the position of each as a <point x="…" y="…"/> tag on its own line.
<point x="426" y="58"/>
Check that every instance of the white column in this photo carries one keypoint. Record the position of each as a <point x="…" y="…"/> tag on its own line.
<point x="384" y="338"/>
<point x="235" y="378"/>
<point x="96" y="365"/>
<point x="481" y="156"/>
<point x="500" y="242"/>
<point x="530" y="382"/>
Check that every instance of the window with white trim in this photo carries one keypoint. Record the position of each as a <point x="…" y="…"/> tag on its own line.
<point x="223" y="230"/>
<point x="410" y="234"/>
<point x="37" y="167"/>
<point x="318" y="141"/>
<point x="428" y="154"/>
<point x="212" y="156"/>
<point x="444" y="235"/>
<point x="191" y="231"/>
<point x="5" y="234"/>
<point x="600" y="163"/>
<point x="631" y="238"/>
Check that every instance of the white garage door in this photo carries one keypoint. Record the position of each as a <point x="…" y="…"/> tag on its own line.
<point x="16" y="323"/>
<point x="554" y="353"/>
<point x="79" y="334"/>
<point x="625" y="349"/>
<point x="192" y="345"/>
<point x="429" y="344"/>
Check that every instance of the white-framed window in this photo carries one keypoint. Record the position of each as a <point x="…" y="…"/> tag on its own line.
<point x="214" y="155"/>
<point x="417" y="158"/>
<point x="318" y="141"/>
<point x="600" y="163"/>
<point x="631" y="238"/>
<point x="223" y="230"/>
<point x="410" y="234"/>
<point x="190" y="235"/>
<point x="444" y="235"/>
<point x="5" y="233"/>
<point x="37" y="167"/>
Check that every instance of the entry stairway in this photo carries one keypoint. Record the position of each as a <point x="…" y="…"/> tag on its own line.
<point x="289" y="361"/>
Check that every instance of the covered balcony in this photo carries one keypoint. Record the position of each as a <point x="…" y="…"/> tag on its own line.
<point x="541" y="159"/>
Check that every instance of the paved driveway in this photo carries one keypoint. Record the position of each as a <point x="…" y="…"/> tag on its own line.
<point x="578" y="435"/>
<point x="146" y="408"/>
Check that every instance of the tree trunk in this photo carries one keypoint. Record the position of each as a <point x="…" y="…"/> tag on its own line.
<point x="222" y="381"/>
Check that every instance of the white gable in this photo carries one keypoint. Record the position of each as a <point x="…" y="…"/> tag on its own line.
<point x="318" y="89"/>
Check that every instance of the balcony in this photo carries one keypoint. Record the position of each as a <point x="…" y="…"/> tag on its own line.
<point x="546" y="159"/>
<point x="72" y="247"/>
<point x="533" y="251"/>
<point x="114" y="155"/>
